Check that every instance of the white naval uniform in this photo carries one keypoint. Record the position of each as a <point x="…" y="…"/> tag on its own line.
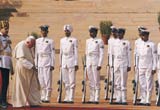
<point x="6" y="61"/>
<point x="68" y="61"/>
<point x="94" y="58"/>
<point x="146" y="51"/>
<point x="44" y="60"/>
<point x="121" y="51"/>
<point x="136" y="43"/>
<point x="158" y="62"/>
<point x="110" y="45"/>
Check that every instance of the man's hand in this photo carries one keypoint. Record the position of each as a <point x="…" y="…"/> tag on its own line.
<point x="98" y="68"/>
<point x="12" y="73"/>
<point x="34" y="69"/>
<point x="52" y="68"/>
<point x="128" y="69"/>
<point x="9" y="41"/>
<point x="76" y="67"/>
<point x="153" y="72"/>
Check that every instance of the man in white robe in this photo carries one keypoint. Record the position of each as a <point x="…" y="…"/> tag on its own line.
<point x="26" y="91"/>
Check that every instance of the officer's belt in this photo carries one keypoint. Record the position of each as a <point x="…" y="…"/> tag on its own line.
<point x="120" y="57"/>
<point x="6" y="53"/>
<point x="93" y="54"/>
<point x="67" y="54"/>
<point x="144" y="56"/>
<point x="44" y="54"/>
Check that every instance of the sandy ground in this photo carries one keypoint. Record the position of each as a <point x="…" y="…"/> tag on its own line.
<point x="82" y="13"/>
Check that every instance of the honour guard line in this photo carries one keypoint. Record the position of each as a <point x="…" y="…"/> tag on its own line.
<point x="35" y="63"/>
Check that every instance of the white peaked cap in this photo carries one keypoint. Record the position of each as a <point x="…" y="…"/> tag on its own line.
<point x="92" y="27"/>
<point x="112" y="27"/>
<point x="68" y="27"/>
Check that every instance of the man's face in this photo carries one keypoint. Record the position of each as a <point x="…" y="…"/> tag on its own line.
<point x="93" y="34"/>
<point x="120" y="35"/>
<point x="5" y="31"/>
<point x="31" y="43"/>
<point x="67" y="33"/>
<point x="44" y="33"/>
<point x="145" y="38"/>
<point x="114" y="34"/>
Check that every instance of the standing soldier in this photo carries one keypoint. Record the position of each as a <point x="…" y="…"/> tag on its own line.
<point x="121" y="51"/>
<point x="94" y="58"/>
<point x="111" y="41"/>
<point x="110" y="45"/>
<point x="5" y="61"/>
<point x="138" y="42"/>
<point x="69" y="62"/>
<point x="146" y="53"/>
<point x="45" y="61"/>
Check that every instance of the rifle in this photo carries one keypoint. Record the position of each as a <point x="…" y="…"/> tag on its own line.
<point x="59" y="82"/>
<point x="84" y="80"/>
<point x="157" y="93"/>
<point x="106" y="81"/>
<point x="112" y="82"/>
<point x="135" y="82"/>
<point x="157" y="90"/>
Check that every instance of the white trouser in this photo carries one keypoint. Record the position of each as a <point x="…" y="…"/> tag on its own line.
<point x="146" y="84"/>
<point x="121" y="76"/>
<point x="69" y="79"/>
<point x="45" y="80"/>
<point x="94" y="82"/>
<point x="140" y="96"/>
<point x="159" y="77"/>
<point x="93" y="76"/>
<point x="111" y="76"/>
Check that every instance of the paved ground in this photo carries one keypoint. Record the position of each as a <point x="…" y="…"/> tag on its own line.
<point x="82" y="13"/>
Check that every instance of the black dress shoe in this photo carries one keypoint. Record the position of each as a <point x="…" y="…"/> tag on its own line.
<point x="141" y="104"/>
<point x="90" y="102"/>
<point x="71" y="102"/>
<point x="65" y="101"/>
<point x="96" y="102"/>
<point x="46" y="101"/>
<point x="4" y="105"/>
<point x="124" y="103"/>
<point x="115" y="103"/>
<point x="43" y="101"/>
<point x="34" y="106"/>
<point x="148" y="104"/>
<point x="138" y="100"/>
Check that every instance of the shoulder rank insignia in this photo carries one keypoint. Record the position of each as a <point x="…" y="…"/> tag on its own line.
<point x="155" y="52"/>
<point x="46" y="41"/>
<point x="70" y="40"/>
<point x="102" y="47"/>
<point x="148" y="46"/>
<point x="96" y="41"/>
<point x="124" y="43"/>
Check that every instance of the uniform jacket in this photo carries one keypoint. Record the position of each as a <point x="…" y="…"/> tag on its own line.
<point x="146" y="51"/>
<point x="94" y="52"/>
<point x="110" y="45"/>
<point x="158" y="56"/>
<point x="121" y="51"/>
<point x="6" y="52"/>
<point x="44" y="52"/>
<point x="68" y="52"/>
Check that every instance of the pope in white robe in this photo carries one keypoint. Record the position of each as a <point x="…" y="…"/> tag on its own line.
<point x="26" y="87"/>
